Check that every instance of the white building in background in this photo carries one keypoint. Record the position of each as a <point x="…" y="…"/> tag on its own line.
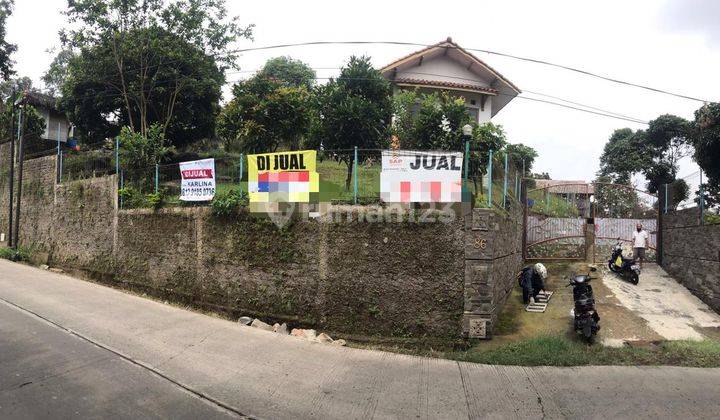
<point x="446" y="66"/>
<point x="57" y="125"/>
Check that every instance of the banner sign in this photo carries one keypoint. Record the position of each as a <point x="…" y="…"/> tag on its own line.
<point x="421" y="177"/>
<point x="198" y="180"/>
<point x="282" y="177"/>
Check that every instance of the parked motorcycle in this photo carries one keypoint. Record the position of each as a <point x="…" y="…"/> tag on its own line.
<point x="625" y="267"/>
<point x="585" y="318"/>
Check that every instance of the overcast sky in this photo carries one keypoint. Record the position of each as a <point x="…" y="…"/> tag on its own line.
<point x="672" y="45"/>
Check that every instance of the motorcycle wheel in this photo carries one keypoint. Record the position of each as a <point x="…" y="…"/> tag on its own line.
<point x="634" y="278"/>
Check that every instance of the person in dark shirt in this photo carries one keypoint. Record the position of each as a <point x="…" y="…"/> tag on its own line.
<point x="532" y="280"/>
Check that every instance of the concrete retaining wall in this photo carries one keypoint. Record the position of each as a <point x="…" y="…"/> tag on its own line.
<point x="409" y="276"/>
<point x="691" y="254"/>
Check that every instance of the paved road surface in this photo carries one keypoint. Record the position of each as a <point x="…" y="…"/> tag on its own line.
<point x="45" y="372"/>
<point x="270" y="376"/>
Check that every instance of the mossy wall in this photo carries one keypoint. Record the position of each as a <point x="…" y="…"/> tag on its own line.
<point x="417" y="274"/>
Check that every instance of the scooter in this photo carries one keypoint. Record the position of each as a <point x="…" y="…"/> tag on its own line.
<point x="585" y="318"/>
<point x="625" y="267"/>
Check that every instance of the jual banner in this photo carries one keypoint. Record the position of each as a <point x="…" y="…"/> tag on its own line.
<point x="198" y="180"/>
<point x="421" y="177"/>
<point x="282" y="177"/>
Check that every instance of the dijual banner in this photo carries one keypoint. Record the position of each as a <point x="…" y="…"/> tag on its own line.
<point x="198" y="180"/>
<point x="283" y="177"/>
<point x="421" y="177"/>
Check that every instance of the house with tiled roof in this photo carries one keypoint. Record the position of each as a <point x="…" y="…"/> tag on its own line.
<point x="448" y="67"/>
<point x="57" y="125"/>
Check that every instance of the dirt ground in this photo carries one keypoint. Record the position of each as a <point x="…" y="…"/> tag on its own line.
<point x="652" y="311"/>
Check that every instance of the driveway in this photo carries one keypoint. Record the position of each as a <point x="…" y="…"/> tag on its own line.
<point x="266" y="375"/>
<point x="667" y="307"/>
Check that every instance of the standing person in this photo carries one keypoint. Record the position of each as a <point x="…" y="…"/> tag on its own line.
<point x="640" y="240"/>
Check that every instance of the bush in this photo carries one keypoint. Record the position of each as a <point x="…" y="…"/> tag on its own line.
<point x="131" y="197"/>
<point x="22" y="254"/>
<point x="229" y="202"/>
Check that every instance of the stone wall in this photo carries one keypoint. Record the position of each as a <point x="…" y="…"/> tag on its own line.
<point x="493" y="256"/>
<point x="408" y="276"/>
<point x="691" y="254"/>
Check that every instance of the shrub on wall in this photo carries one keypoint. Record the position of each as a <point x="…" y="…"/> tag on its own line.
<point x="229" y="202"/>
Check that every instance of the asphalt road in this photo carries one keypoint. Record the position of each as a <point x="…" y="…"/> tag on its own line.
<point x="46" y="372"/>
<point x="265" y="375"/>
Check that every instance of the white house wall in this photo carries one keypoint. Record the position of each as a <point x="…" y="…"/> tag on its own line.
<point x="443" y="69"/>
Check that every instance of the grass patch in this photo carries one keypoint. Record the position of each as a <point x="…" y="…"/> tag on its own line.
<point x="552" y="350"/>
<point x="22" y="254"/>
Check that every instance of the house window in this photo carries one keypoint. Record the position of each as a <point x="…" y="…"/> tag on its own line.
<point x="474" y="113"/>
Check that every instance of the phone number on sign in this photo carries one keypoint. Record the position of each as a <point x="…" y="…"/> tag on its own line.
<point x="197" y="192"/>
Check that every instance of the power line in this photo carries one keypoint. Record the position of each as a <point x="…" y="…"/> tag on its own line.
<point x="501" y="54"/>
<point x="415" y="44"/>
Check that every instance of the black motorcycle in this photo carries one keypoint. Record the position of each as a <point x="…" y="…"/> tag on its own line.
<point x="585" y="318"/>
<point x="625" y="267"/>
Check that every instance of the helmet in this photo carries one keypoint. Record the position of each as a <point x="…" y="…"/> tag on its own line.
<point x="541" y="270"/>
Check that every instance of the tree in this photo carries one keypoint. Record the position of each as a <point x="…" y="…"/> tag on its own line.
<point x="624" y="155"/>
<point x="667" y="137"/>
<point x="353" y="110"/>
<point x="142" y="152"/>
<point x="706" y="143"/>
<point x="429" y="121"/>
<point x="11" y="91"/>
<point x="145" y="62"/>
<point x="616" y="201"/>
<point x="522" y="157"/>
<point x="289" y="71"/>
<point x="264" y="114"/>
<point x="6" y="49"/>
<point x="485" y="137"/>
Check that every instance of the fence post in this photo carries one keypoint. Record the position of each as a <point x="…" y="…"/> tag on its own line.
<point x="117" y="156"/>
<point x="505" y="181"/>
<point x="59" y="158"/>
<point x="489" y="171"/>
<point x="702" y="202"/>
<point x="157" y="178"/>
<point x="122" y="185"/>
<point x="241" y="172"/>
<point x="665" y="207"/>
<point x="355" y="177"/>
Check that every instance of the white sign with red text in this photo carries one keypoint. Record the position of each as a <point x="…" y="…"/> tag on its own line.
<point x="421" y="177"/>
<point x="198" y="180"/>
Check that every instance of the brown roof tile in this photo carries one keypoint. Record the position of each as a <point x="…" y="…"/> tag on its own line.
<point x="449" y="85"/>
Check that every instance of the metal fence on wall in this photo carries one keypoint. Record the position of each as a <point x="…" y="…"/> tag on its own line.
<point x="675" y="197"/>
<point x="352" y="176"/>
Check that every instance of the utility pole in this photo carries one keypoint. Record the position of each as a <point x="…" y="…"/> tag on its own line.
<point x="21" y="158"/>
<point x="12" y="169"/>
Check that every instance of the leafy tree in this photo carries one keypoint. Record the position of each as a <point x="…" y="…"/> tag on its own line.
<point x="353" y="110"/>
<point x="11" y="91"/>
<point x="706" y="143"/>
<point x="543" y="175"/>
<point x="679" y="191"/>
<point x="624" y="155"/>
<point x="486" y="137"/>
<point x="289" y="71"/>
<point x="667" y="137"/>
<point x="430" y="121"/>
<point x="616" y="201"/>
<point x="141" y="152"/>
<point x="264" y="114"/>
<point x="138" y="63"/>
<point x="522" y="157"/>
<point x="6" y="48"/>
